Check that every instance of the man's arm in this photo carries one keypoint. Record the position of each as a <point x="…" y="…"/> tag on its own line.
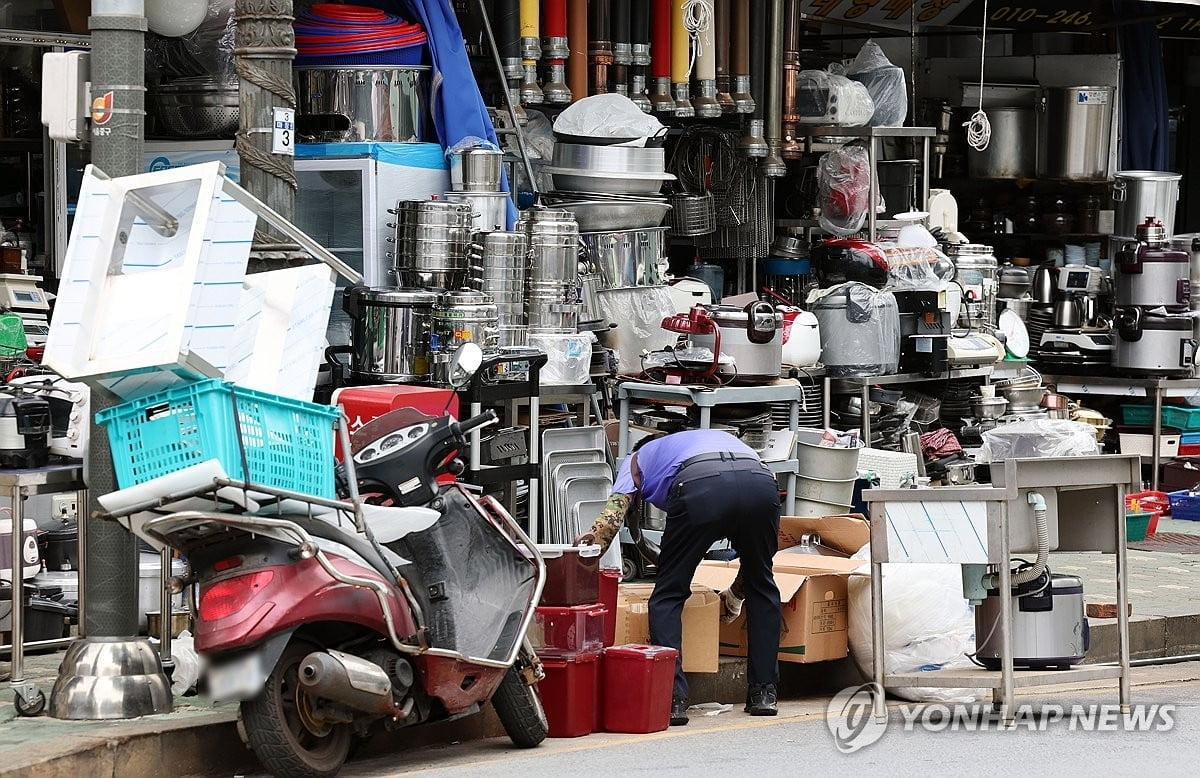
<point x="606" y="526"/>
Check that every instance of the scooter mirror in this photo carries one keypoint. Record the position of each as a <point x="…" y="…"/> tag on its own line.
<point x="463" y="363"/>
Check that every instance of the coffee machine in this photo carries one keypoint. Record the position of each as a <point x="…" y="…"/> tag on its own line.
<point x="1077" y="334"/>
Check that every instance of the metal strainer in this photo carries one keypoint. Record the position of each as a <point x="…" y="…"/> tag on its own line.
<point x="198" y="107"/>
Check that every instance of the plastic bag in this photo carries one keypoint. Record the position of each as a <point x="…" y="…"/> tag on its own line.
<point x="927" y="625"/>
<point x="844" y="190"/>
<point x="911" y="268"/>
<point x="1039" y="438"/>
<point x="638" y="313"/>
<point x="471" y="142"/>
<point x="860" y="330"/>
<point x="569" y="361"/>
<point x="208" y="50"/>
<point x="607" y="116"/>
<point x="885" y="83"/>
<point x="824" y="97"/>
<point x="187" y="664"/>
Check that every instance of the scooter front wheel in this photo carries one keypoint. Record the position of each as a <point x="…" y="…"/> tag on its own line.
<point x="520" y="710"/>
<point x="282" y="731"/>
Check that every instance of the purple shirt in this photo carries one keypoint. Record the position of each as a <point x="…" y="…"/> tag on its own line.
<point x="659" y="461"/>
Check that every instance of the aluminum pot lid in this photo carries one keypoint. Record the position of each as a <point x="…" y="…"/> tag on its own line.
<point x="396" y="295"/>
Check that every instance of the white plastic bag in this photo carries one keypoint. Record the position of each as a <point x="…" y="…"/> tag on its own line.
<point x="1039" y="438"/>
<point x="825" y="97"/>
<point x="927" y="625"/>
<point x="187" y="664"/>
<point x="607" y="116"/>
<point x="885" y="83"/>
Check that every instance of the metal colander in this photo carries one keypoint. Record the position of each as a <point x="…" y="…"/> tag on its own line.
<point x="199" y="107"/>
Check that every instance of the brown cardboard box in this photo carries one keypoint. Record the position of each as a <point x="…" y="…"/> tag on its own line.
<point x="846" y="534"/>
<point x="814" y="611"/>
<point x="701" y="617"/>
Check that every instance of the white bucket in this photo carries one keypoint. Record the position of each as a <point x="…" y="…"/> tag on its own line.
<point x="816" y="508"/>
<point x="839" y="491"/>
<point x="824" y="462"/>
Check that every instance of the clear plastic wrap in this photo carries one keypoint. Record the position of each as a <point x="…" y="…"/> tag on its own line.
<point x="1039" y="438"/>
<point x="569" y="357"/>
<point x="927" y="625"/>
<point x="911" y="268"/>
<point x="207" y="50"/>
<point x="844" y="189"/>
<point x="607" y="116"/>
<point x="860" y="330"/>
<point x="885" y="83"/>
<point x="638" y="313"/>
<point x="824" y="97"/>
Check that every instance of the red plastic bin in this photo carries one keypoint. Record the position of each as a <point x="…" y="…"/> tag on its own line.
<point x="637" y="693"/>
<point x="1154" y="503"/>
<point x="575" y="629"/>
<point x="572" y="575"/>
<point x="610" y="581"/>
<point x="569" y="692"/>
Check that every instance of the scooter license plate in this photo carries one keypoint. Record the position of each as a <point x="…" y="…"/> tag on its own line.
<point x="236" y="679"/>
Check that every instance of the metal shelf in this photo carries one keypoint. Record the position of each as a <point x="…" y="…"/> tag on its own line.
<point x="863" y="384"/>
<point x="865" y="132"/>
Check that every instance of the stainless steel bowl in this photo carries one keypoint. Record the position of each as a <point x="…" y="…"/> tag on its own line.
<point x="574" y="179"/>
<point x="988" y="407"/>
<point x="199" y="107"/>
<point x="607" y="215"/>
<point x="1023" y="399"/>
<point x="611" y="159"/>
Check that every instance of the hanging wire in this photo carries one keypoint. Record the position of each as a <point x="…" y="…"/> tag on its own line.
<point x="979" y="129"/>
<point x="697" y="19"/>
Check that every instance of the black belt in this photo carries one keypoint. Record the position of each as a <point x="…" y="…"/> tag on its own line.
<point x="716" y="456"/>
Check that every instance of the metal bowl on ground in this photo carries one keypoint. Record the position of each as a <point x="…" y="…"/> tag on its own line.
<point x="609" y="215"/>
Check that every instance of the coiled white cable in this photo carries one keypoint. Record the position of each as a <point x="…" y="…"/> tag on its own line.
<point x="979" y="129"/>
<point x="697" y="19"/>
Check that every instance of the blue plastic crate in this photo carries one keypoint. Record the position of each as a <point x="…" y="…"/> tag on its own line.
<point x="288" y="443"/>
<point x="1185" y="505"/>
<point x="1189" y="439"/>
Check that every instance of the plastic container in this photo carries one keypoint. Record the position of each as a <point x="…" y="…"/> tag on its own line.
<point x="610" y="581"/>
<point x="1185" y="505"/>
<point x="568" y="694"/>
<point x="824" y="462"/>
<point x="1137" y="526"/>
<point x="637" y="689"/>
<point x="572" y="574"/>
<point x="561" y="632"/>
<point x="46" y="619"/>
<point x="1185" y="419"/>
<point x="1189" y="449"/>
<point x="820" y="508"/>
<point x="1140" y="440"/>
<point x="288" y="443"/>
<point x="1154" y="503"/>
<point x="825" y="489"/>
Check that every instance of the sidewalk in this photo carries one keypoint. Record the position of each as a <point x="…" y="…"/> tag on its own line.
<point x="198" y="738"/>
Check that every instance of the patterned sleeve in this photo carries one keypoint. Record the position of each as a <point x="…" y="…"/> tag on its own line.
<point x="608" y="523"/>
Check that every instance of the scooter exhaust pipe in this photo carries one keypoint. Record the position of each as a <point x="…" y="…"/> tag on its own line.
<point x="348" y="680"/>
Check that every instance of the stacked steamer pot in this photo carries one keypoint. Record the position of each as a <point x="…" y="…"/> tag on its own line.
<point x="475" y="174"/>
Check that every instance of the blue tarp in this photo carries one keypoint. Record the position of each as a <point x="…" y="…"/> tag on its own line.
<point x="423" y="155"/>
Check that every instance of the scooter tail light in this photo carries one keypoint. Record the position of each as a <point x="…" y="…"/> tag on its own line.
<point x="227" y="564"/>
<point x="225" y="598"/>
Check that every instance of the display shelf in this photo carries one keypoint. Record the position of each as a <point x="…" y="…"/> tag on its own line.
<point x="1155" y="388"/>
<point x="863" y="384"/>
<point x="865" y="132"/>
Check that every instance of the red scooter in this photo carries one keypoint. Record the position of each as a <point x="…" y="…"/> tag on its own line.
<point x="328" y="620"/>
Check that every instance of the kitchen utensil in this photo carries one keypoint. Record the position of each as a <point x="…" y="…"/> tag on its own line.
<point x="1022" y="399"/>
<point x="198" y="107"/>
<point x="610" y="215"/>
<point x="1043" y="285"/>
<point x="391" y="330"/>
<point x="574" y="179"/>
<point x="988" y="407"/>
<point x="1055" y="402"/>
<point x="1075" y="131"/>
<point x="1141" y="193"/>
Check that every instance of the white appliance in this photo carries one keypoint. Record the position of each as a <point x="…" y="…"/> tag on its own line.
<point x="70" y="412"/>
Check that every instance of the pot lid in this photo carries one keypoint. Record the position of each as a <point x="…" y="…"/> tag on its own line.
<point x="1148" y="175"/>
<point x="396" y="295"/>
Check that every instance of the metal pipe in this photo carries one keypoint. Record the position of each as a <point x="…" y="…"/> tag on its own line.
<point x="722" y="22"/>
<point x="757" y="54"/>
<point x="349" y="680"/>
<point x="792" y="147"/>
<point x="773" y="166"/>
<point x="577" y="42"/>
<point x="555" y="51"/>
<point x="660" y="56"/>
<point x="680" y="64"/>
<point x="531" y="52"/>
<point x="508" y="31"/>
<point x="622" y="48"/>
<point x="705" y="103"/>
<point x="639" y="44"/>
<point x="518" y="133"/>
<point x="600" y="51"/>
<point x="739" y="67"/>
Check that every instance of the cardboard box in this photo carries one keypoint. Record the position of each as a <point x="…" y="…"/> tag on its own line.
<point x="701" y="619"/>
<point x="846" y="534"/>
<point x="815" y="612"/>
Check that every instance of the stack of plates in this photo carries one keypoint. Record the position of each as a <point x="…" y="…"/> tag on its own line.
<point x="956" y="402"/>
<point x="1039" y="319"/>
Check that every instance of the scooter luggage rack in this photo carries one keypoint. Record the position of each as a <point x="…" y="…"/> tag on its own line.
<point x="194" y="522"/>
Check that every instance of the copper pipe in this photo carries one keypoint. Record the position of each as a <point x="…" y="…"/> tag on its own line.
<point x="622" y="48"/>
<point x="660" y="56"/>
<point x="792" y="148"/>
<point x="739" y="69"/>
<point x="577" y="42"/>
<point x="639" y="40"/>
<point x="600" y="53"/>
<point x="722" y="21"/>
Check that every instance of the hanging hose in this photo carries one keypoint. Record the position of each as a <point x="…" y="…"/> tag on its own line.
<point x="1024" y="576"/>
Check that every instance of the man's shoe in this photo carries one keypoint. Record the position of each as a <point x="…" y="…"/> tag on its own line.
<point x="679" y="715"/>
<point x="761" y="700"/>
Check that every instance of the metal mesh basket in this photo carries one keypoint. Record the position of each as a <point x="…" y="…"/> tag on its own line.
<point x="198" y="108"/>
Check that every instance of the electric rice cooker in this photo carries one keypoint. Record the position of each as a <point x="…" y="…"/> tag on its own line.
<point x="1049" y="628"/>
<point x="1159" y="344"/>
<point x="752" y="336"/>
<point x="24" y="430"/>
<point x="860" y="331"/>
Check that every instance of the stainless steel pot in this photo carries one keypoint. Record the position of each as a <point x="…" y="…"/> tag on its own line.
<point x="1074" y="132"/>
<point x="488" y="209"/>
<point x="753" y="336"/>
<point x="354" y="104"/>
<point x="391" y="333"/>
<point x="460" y="316"/>
<point x="1012" y="151"/>
<point x="475" y="169"/>
<point x="611" y="159"/>
<point x="628" y="257"/>
<point x="1142" y="193"/>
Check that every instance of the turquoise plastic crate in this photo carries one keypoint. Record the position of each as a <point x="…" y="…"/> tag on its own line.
<point x="288" y="443"/>
<point x="1186" y="419"/>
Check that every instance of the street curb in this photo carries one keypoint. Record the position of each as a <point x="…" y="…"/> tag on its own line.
<point x="208" y="744"/>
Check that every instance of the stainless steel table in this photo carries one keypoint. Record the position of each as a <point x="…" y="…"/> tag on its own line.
<point x="1083" y="486"/>
<point x="20" y="484"/>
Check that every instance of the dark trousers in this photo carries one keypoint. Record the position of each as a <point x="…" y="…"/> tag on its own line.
<point x="711" y="500"/>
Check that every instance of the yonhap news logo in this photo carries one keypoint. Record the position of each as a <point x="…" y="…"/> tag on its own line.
<point x="852" y="723"/>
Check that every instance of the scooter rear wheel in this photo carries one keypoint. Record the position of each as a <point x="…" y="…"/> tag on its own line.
<point x="281" y="730"/>
<point x="520" y="710"/>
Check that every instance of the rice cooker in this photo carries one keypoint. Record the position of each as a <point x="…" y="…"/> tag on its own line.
<point x="1049" y="628"/>
<point x="860" y="331"/>
<point x="1150" y="273"/>
<point x="752" y="336"/>
<point x="1160" y="344"/>
<point x="24" y="430"/>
